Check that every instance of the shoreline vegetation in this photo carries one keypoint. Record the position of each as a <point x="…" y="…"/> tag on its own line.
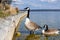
<point x="7" y="10"/>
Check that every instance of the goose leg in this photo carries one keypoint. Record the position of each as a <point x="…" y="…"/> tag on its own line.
<point x="31" y="32"/>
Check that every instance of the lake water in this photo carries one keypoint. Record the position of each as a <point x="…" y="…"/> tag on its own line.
<point x="51" y="18"/>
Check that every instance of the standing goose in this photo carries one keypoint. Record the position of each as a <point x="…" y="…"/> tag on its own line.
<point x="31" y="26"/>
<point x="47" y="31"/>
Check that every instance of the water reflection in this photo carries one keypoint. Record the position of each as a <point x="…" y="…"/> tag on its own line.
<point x="33" y="37"/>
<point x="51" y="37"/>
<point x="46" y="38"/>
<point x="38" y="37"/>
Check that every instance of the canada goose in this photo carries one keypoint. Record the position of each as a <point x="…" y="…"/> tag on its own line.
<point x="47" y="31"/>
<point x="31" y="26"/>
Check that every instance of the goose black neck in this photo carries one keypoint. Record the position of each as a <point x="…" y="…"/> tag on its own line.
<point x="46" y="28"/>
<point x="28" y="14"/>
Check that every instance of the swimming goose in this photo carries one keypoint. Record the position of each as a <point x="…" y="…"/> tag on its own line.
<point x="31" y="26"/>
<point x="47" y="31"/>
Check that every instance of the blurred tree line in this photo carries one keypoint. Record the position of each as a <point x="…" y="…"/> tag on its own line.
<point x="6" y="1"/>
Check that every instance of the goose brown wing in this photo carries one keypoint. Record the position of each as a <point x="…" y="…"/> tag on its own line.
<point x="51" y="30"/>
<point x="34" y="25"/>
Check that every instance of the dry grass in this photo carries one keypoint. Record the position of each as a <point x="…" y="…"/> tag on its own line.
<point x="3" y="15"/>
<point x="7" y="10"/>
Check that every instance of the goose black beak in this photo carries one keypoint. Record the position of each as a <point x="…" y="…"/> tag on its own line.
<point x="25" y="8"/>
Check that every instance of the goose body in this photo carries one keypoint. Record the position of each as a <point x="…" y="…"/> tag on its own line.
<point x="31" y="25"/>
<point x="50" y="32"/>
<point x="47" y="31"/>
